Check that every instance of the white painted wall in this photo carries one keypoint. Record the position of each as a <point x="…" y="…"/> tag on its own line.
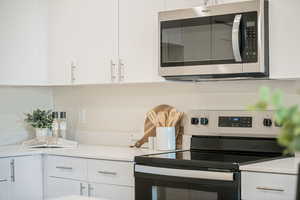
<point x="117" y="110"/>
<point x="14" y="102"/>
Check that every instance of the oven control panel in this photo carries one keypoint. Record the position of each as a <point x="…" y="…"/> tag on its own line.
<point x="231" y="122"/>
<point x="235" y="121"/>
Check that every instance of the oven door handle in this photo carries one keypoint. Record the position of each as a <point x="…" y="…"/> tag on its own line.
<point x="236" y="38"/>
<point x="209" y="175"/>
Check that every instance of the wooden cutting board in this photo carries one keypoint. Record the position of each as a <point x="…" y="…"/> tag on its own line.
<point x="150" y="129"/>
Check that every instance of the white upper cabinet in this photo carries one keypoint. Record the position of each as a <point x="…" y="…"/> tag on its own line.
<point x="82" y="41"/>
<point x="96" y="40"/>
<point x="61" y="40"/>
<point x="23" y="40"/>
<point x="284" y="39"/>
<point x="181" y="4"/>
<point x="139" y="40"/>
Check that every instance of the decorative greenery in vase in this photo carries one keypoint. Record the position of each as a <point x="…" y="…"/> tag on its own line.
<point x="286" y="117"/>
<point x="39" y="118"/>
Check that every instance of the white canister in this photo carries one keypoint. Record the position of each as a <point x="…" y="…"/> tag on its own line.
<point x="165" y="138"/>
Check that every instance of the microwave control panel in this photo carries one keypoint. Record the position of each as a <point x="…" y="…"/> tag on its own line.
<point x="250" y="37"/>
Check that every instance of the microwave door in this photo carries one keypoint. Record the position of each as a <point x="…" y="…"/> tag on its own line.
<point x="224" y="40"/>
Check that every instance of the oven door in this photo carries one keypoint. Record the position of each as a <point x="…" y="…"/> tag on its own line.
<point x="155" y="183"/>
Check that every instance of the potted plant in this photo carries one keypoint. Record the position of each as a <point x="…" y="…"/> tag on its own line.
<point x="287" y="117"/>
<point x="41" y="120"/>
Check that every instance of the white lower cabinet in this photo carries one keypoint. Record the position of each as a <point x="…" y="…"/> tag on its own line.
<point x="4" y="178"/>
<point x="59" y="187"/>
<point x="21" y="178"/>
<point x="4" y="190"/>
<point x="111" y="192"/>
<point x="268" y="186"/>
<point x="112" y="180"/>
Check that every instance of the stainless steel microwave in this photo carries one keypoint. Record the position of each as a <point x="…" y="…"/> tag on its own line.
<point x="219" y="41"/>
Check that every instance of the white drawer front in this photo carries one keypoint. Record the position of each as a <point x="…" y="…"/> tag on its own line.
<point x="112" y="172"/>
<point x="266" y="186"/>
<point x="66" y="167"/>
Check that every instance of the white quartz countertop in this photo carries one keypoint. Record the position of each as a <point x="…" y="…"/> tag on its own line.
<point x="82" y="151"/>
<point x="281" y="166"/>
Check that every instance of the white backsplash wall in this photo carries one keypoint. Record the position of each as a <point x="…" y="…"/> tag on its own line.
<point x="14" y="102"/>
<point x="96" y="113"/>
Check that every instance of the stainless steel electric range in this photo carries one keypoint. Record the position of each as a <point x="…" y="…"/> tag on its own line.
<point x="222" y="141"/>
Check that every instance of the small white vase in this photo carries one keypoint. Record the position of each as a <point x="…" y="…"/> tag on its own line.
<point x="41" y="132"/>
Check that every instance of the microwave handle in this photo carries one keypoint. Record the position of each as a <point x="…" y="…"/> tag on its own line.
<point x="236" y="38"/>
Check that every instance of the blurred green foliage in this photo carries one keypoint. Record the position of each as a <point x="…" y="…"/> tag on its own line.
<point x="286" y="117"/>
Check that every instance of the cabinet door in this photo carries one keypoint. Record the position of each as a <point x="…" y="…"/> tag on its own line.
<point x="59" y="187"/>
<point x="111" y="192"/>
<point x="139" y="34"/>
<point x="4" y="179"/>
<point x="27" y="183"/>
<point x="96" y="40"/>
<point x="284" y="39"/>
<point x="61" y="29"/>
<point x="83" y="36"/>
<point x="4" y="189"/>
<point x="23" y="42"/>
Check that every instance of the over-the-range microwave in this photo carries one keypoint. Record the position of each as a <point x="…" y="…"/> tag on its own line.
<point x="220" y="41"/>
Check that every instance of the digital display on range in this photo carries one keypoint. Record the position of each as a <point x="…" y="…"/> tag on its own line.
<point x="235" y="121"/>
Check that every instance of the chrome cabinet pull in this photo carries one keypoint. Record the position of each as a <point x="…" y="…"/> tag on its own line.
<point x="113" y="71"/>
<point x="107" y="173"/>
<point x="2" y="180"/>
<point x="236" y="38"/>
<point x="270" y="189"/>
<point x="121" y="70"/>
<point x="73" y="68"/>
<point x="65" y="168"/>
<point x="82" y="187"/>
<point x="90" y="189"/>
<point x="12" y="170"/>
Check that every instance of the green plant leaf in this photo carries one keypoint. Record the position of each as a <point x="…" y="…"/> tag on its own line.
<point x="265" y="94"/>
<point x="276" y="99"/>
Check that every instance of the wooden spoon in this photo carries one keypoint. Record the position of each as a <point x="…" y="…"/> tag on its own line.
<point x="162" y="119"/>
<point x="171" y="117"/>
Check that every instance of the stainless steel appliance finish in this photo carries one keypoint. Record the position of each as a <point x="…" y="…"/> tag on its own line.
<point x="218" y="59"/>
<point x="225" y="176"/>
<point x="210" y="170"/>
<point x="262" y="123"/>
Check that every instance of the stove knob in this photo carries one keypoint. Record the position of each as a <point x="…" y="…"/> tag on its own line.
<point x="194" y="121"/>
<point x="204" y="121"/>
<point x="268" y="122"/>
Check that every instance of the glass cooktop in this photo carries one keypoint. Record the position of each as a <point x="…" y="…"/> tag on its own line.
<point x="224" y="157"/>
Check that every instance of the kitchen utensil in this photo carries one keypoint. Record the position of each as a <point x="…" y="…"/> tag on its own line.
<point x="171" y="117"/>
<point x="149" y="127"/>
<point x="162" y="118"/>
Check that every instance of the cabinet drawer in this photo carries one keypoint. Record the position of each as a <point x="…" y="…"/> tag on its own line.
<point x="66" y="167"/>
<point x="112" y="172"/>
<point x="266" y="186"/>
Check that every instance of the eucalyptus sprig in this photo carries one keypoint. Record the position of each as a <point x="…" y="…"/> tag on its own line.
<point x="286" y="117"/>
<point x="39" y="118"/>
